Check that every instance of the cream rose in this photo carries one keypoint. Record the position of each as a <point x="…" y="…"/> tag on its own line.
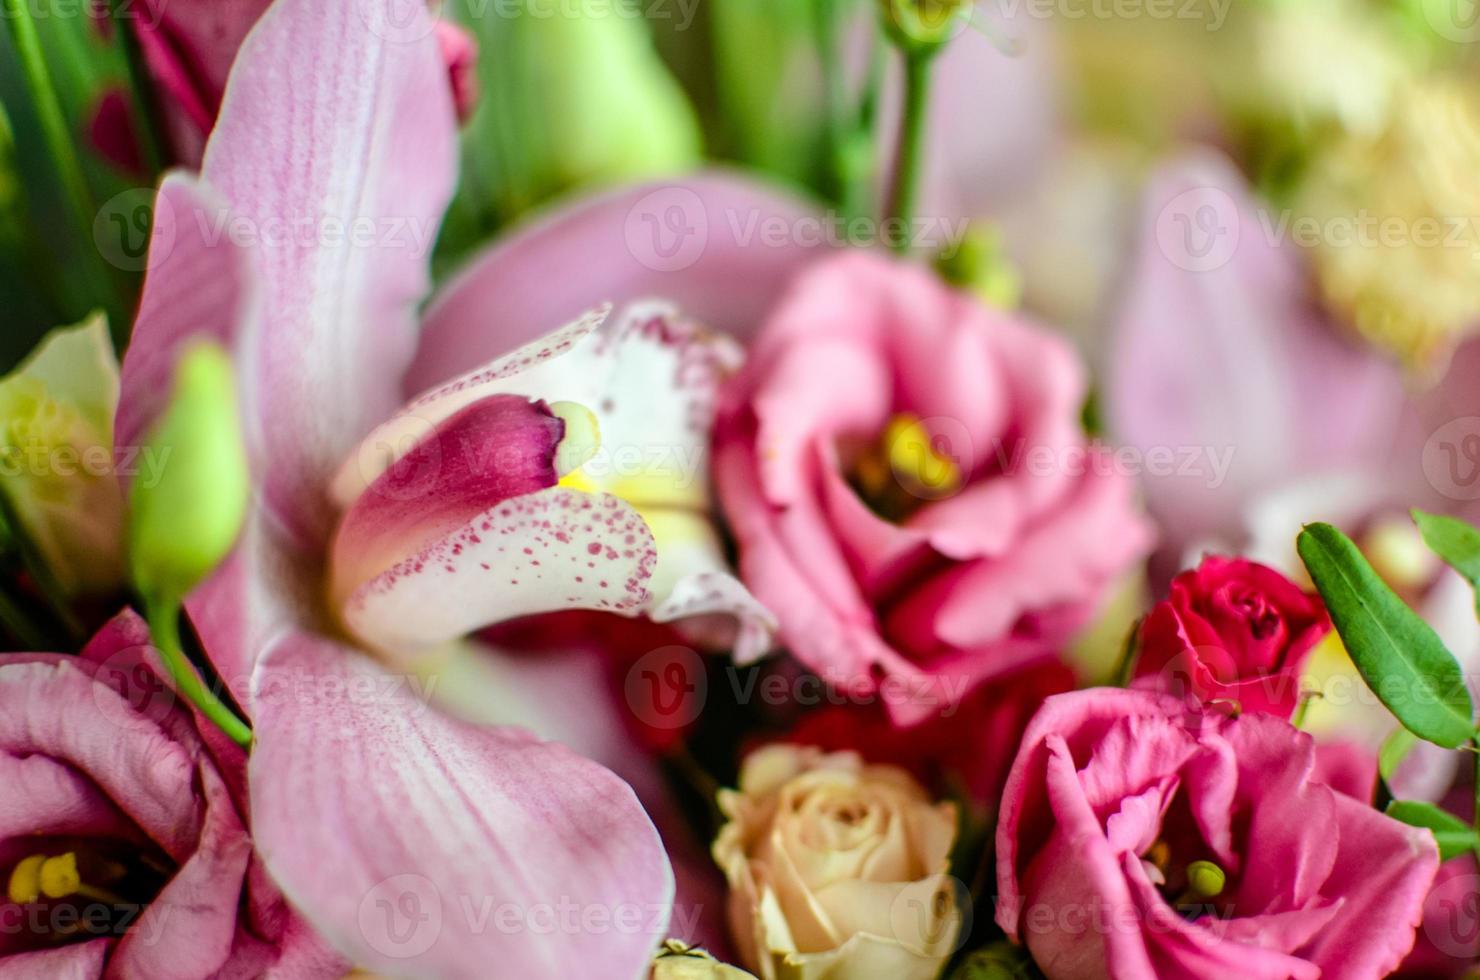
<point x="837" y="869"/>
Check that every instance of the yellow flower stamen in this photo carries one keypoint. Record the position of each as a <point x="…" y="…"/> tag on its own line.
<point x="25" y="880"/>
<point x="39" y="876"/>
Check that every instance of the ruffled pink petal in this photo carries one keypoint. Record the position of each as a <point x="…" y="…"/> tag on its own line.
<point x="83" y="961"/>
<point x="462" y="831"/>
<point x="698" y="243"/>
<point x="335" y="151"/>
<point x="200" y="902"/>
<point x="543" y="552"/>
<point x="58" y="711"/>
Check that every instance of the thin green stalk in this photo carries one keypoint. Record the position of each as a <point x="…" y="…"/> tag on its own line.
<point x="49" y="113"/>
<point x="835" y="98"/>
<point x="150" y="130"/>
<point x="164" y="627"/>
<point x="910" y="153"/>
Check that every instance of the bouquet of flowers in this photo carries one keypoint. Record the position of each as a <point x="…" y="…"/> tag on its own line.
<point x="788" y="489"/>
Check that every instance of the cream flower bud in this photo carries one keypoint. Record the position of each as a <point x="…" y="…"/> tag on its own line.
<point x="56" y="457"/>
<point x="837" y="869"/>
<point x="678" y="961"/>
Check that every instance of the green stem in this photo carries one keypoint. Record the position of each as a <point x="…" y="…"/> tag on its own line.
<point x="835" y="96"/>
<point x="49" y="113"/>
<point x="164" y="626"/>
<point x="911" y="148"/>
<point x="151" y="121"/>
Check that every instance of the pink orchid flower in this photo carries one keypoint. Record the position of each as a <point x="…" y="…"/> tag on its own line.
<point x="124" y="830"/>
<point x="365" y="801"/>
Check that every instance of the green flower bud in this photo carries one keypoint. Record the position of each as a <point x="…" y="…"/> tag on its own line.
<point x="184" y="523"/>
<point x="922" y="25"/>
<point x="56" y="458"/>
<point x="999" y="961"/>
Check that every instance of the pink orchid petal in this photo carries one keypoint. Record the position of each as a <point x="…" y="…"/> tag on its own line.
<point x="461" y="828"/>
<point x="195" y="287"/>
<point x="544" y="552"/>
<point x="1188" y="331"/>
<point x="496" y="448"/>
<point x="700" y="243"/>
<point x="189" y="46"/>
<point x="517" y="372"/>
<point x="335" y="151"/>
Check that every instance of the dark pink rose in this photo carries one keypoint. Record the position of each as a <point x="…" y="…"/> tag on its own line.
<point x="1232" y="630"/>
<point x="1124" y="809"/>
<point x="911" y="489"/>
<point x="123" y="841"/>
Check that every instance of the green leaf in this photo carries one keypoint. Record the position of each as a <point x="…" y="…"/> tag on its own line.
<point x="1395" y="749"/>
<point x="1453" y="835"/>
<point x="1456" y="541"/>
<point x="1399" y="656"/>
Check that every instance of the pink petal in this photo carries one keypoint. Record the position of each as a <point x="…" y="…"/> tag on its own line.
<point x="57" y="710"/>
<point x="1219" y="350"/>
<point x="83" y="961"/>
<point x="336" y="153"/>
<point x="419" y="869"/>
<point x="499" y="447"/>
<point x="543" y="552"/>
<point x="189" y="46"/>
<point x="195" y="286"/>
<point x="718" y="266"/>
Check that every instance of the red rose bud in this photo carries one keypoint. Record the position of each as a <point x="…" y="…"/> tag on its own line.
<point x="1232" y="631"/>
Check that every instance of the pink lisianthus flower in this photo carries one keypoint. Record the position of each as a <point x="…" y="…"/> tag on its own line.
<point x="1141" y="840"/>
<point x="361" y="792"/>
<point x="1234" y="631"/>
<point x="911" y="489"/>
<point x="124" y="845"/>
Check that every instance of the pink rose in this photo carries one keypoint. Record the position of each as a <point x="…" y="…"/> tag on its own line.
<point x="1139" y="840"/>
<point x="123" y="843"/>
<point x="910" y="485"/>
<point x="1232" y="630"/>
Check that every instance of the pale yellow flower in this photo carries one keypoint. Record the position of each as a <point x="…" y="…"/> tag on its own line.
<point x="837" y="869"/>
<point x="1396" y="244"/>
<point x="57" y="466"/>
